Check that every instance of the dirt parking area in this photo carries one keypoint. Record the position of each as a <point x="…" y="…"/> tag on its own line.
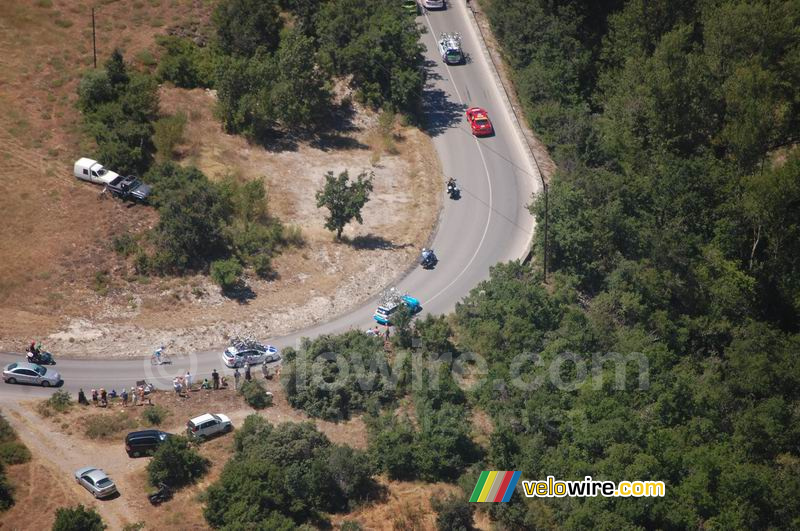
<point x="61" y="282"/>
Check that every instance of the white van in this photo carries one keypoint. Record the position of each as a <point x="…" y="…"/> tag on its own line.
<point x="94" y="172"/>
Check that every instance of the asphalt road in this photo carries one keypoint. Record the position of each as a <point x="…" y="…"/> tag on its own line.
<point x="489" y="224"/>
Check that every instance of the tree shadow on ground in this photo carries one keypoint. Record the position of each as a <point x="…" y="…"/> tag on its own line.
<point x="440" y="113"/>
<point x="242" y="293"/>
<point x="373" y="242"/>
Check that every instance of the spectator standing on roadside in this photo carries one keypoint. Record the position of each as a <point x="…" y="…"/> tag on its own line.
<point x="82" y="398"/>
<point x="124" y="396"/>
<point x="103" y="398"/>
<point x="94" y="397"/>
<point x="134" y="396"/>
<point x="265" y="370"/>
<point x="236" y="377"/>
<point x="188" y="381"/>
<point x="215" y="379"/>
<point x="247" y="375"/>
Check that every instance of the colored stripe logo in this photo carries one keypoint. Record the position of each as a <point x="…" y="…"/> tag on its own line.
<point x="494" y="486"/>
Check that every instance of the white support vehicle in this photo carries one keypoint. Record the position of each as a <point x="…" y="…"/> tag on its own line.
<point x="433" y="4"/>
<point x="450" y="48"/>
<point x="94" y="172"/>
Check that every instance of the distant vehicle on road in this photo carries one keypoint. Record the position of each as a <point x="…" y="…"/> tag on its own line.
<point x="433" y="4"/>
<point x="30" y="373"/>
<point x="249" y="351"/>
<point x="204" y="426"/>
<point x="92" y="171"/>
<point x="479" y="121"/>
<point x="95" y="481"/>
<point x="390" y="302"/>
<point x="129" y="189"/>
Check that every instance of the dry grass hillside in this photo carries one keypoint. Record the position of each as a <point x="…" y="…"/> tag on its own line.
<point x="59" y="279"/>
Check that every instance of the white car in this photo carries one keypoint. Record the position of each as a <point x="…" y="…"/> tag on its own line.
<point x="95" y="481"/>
<point x="205" y="426"/>
<point x="92" y="171"/>
<point x="433" y="4"/>
<point x="254" y="354"/>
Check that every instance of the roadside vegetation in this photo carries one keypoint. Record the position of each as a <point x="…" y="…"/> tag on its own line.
<point x="282" y="476"/>
<point x="674" y="231"/>
<point x="78" y="518"/>
<point x="12" y="452"/>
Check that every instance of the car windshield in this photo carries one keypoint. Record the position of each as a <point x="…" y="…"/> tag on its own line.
<point x="40" y="370"/>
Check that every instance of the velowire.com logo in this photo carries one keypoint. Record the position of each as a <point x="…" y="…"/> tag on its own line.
<point x="494" y="486"/>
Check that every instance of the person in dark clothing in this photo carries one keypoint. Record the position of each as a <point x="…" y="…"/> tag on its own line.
<point x="215" y="379"/>
<point x="82" y="398"/>
<point x="247" y="375"/>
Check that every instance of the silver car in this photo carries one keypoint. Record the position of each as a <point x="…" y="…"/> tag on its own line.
<point x="95" y="481"/>
<point x="30" y="373"/>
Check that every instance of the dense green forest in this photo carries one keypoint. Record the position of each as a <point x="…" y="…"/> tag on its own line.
<point x="674" y="232"/>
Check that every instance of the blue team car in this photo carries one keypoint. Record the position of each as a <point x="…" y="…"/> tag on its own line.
<point x="390" y="305"/>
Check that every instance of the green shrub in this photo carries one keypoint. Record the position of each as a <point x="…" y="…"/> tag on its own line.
<point x="6" y="491"/>
<point x="14" y="453"/>
<point x="106" y="426"/>
<point x="154" y="415"/>
<point x="78" y="519"/>
<point x="453" y="513"/>
<point x="262" y="265"/>
<point x="168" y="134"/>
<point x="100" y="284"/>
<point x="185" y="64"/>
<point x="124" y="244"/>
<point x="227" y="273"/>
<point x="146" y="58"/>
<point x="255" y="395"/>
<point x="293" y="235"/>
<point x="59" y="402"/>
<point x="176" y="463"/>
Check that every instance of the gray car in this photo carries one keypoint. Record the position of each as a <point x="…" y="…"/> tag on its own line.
<point x="95" y="481"/>
<point x="30" y="373"/>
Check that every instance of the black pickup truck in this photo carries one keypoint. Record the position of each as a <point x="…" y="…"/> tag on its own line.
<point x="129" y="189"/>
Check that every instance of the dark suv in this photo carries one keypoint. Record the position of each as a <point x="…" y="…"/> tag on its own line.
<point x="144" y="442"/>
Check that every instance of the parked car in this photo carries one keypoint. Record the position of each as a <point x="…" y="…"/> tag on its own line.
<point x="129" y="189"/>
<point x="92" y="171"/>
<point x="30" y="373"/>
<point x="250" y="352"/>
<point x="95" y="481"/>
<point x="479" y="121"/>
<point x="205" y="426"/>
<point x="144" y="442"/>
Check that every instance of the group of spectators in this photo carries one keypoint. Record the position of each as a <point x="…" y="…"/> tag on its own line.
<point x="137" y="396"/>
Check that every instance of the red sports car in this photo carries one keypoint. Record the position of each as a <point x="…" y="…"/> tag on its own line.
<point x="479" y="121"/>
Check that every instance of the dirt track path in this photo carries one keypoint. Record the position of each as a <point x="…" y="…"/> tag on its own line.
<point x="64" y="454"/>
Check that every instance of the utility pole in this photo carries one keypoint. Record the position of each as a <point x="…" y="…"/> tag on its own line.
<point x="94" y="41"/>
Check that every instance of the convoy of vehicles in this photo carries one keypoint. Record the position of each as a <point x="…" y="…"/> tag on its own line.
<point x="479" y="121"/>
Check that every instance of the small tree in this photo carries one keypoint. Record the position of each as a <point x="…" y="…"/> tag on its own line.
<point x="78" y="519"/>
<point x="176" y="463"/>
<point x="453" y="514"/>
<point x="226" y="273"/>
<point x="255" y="395"/>
<point x="344" y="200"/>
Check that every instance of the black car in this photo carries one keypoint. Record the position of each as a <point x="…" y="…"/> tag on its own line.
<point x="129" y="188"/>
<point x="144" y="442"/>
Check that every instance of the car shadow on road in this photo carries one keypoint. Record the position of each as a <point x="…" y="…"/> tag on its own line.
<point x="373" y="242"/>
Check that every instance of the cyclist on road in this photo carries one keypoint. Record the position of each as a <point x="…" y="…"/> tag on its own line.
<point x="157" y="354"/>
